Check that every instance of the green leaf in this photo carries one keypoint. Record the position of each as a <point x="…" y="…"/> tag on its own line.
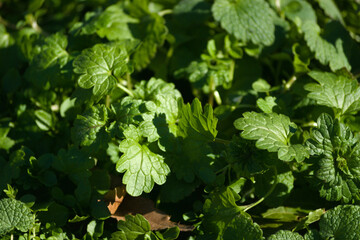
<point x="224" y="219"/>
<point x="15" y="215"/>
<point x="247" y="20"/>
<point x="100" y="67"/>
<point x="261" y="85"/>
<point x="53" y="52"/>
<point x="267" y="104"/>
<point x="87" y="127"/>
<point x="149" y="90"/>
<point x="336" y="158"/>
<point x="272" y="132"/>
<point x="142" y="167"/>
<point x="134" y="227"/>
<point x="299" y="11"/>
<point x="342" y="222"/>
<point x="114" y="24"/>
<point x="325" y="52"/>
<point x="195" y="123"/>
<point x="285" y="235"/>
<point x="339" y="92"/>
<point x="73" y="161"/>
<point x="152" y="32"/>
<point x="330" y="8"/>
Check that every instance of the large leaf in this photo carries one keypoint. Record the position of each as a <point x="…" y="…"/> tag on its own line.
<point x="142" y="167"/>
<point x="336" y="91"/>
<point x="247" y="20"/>
<point x="15" y="215"/>
<point x="272" y="132"/>
<point x="342" y="222"/>
<point x="100" y="67"/>
<point x="336" y="158"/>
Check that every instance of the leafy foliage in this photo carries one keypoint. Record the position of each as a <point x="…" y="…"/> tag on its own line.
<point x="237" y="118"/>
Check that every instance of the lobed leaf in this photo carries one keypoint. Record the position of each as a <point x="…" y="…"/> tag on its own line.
<point x="100" y="67"/>
<point x="336" y="91"/>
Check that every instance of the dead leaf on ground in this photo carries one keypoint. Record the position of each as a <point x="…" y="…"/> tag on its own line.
<point x="138" y="205"/>
<point x="115" y="198"/>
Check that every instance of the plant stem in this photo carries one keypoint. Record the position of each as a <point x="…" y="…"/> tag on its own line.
<point x="165" y="12"/>
<point x="129" y="92"/>
<point x="128" y="81"/>
<point x="223" y="141"/>
<point x="247" y="207"/>
<point x="12" y="237"/>
<point x="289" y="83"/>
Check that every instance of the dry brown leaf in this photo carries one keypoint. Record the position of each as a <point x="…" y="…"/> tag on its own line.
<point x="138" y="205"/>
<point x="115" y="198"/>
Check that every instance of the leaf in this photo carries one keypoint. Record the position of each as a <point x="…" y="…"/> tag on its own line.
<point x="285" y="235"/>
<point x="152" y="33"/>
<point x="336" y="91"/>
<point x="272" y="132"/>
<point x="134" y="226"/>
<point x="267" y="104"/>
<point x="223" y="218"/>
<point x="142" y="167"/>
<point x="247" y="20"/>
<point x="158" y="219"/>
<point x="342" y="222"/>
<point x="87" y="127"/>
<point x="335" y="153"/>
<point x="100" y="67"/>
<point x="115" y="198"/>
<point x="53" y="52"/>
<point x="195" y="123"/>
<point x="114" y="24"/>
<point x="325" y="52"/>
<point x="330" y="8"/>
<point x="15" y="215"/>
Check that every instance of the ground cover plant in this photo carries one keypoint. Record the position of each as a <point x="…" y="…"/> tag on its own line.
<point x="180" y="119"/>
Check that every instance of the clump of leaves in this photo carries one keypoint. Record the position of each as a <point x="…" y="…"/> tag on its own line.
<point x="224" y="119"/>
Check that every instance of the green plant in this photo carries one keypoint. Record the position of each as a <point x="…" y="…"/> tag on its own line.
<point x="237" y="117"/>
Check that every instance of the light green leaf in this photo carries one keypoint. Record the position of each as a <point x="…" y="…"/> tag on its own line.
<point x="325" y="52"/>
<point x="267" y="104"/>
<point x="15" y="214"/>
<point x="272" y="132"/>
<point x="100" y="67"/>
<point x="141" y="166"/>
<point x="149" y="90"/>
<point x="87" y="127"/>
<point x="285" y="235"/>
<point x="336" y="158"/>
<point x="330" y="8"/>
<point x="336" y="91"/>
<point x="43" y="120"/>
<point x="342" y="222"/>
<point x="299" y="11"/>
<point x="261" y="85"/>
<point x="247" y="20"/>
